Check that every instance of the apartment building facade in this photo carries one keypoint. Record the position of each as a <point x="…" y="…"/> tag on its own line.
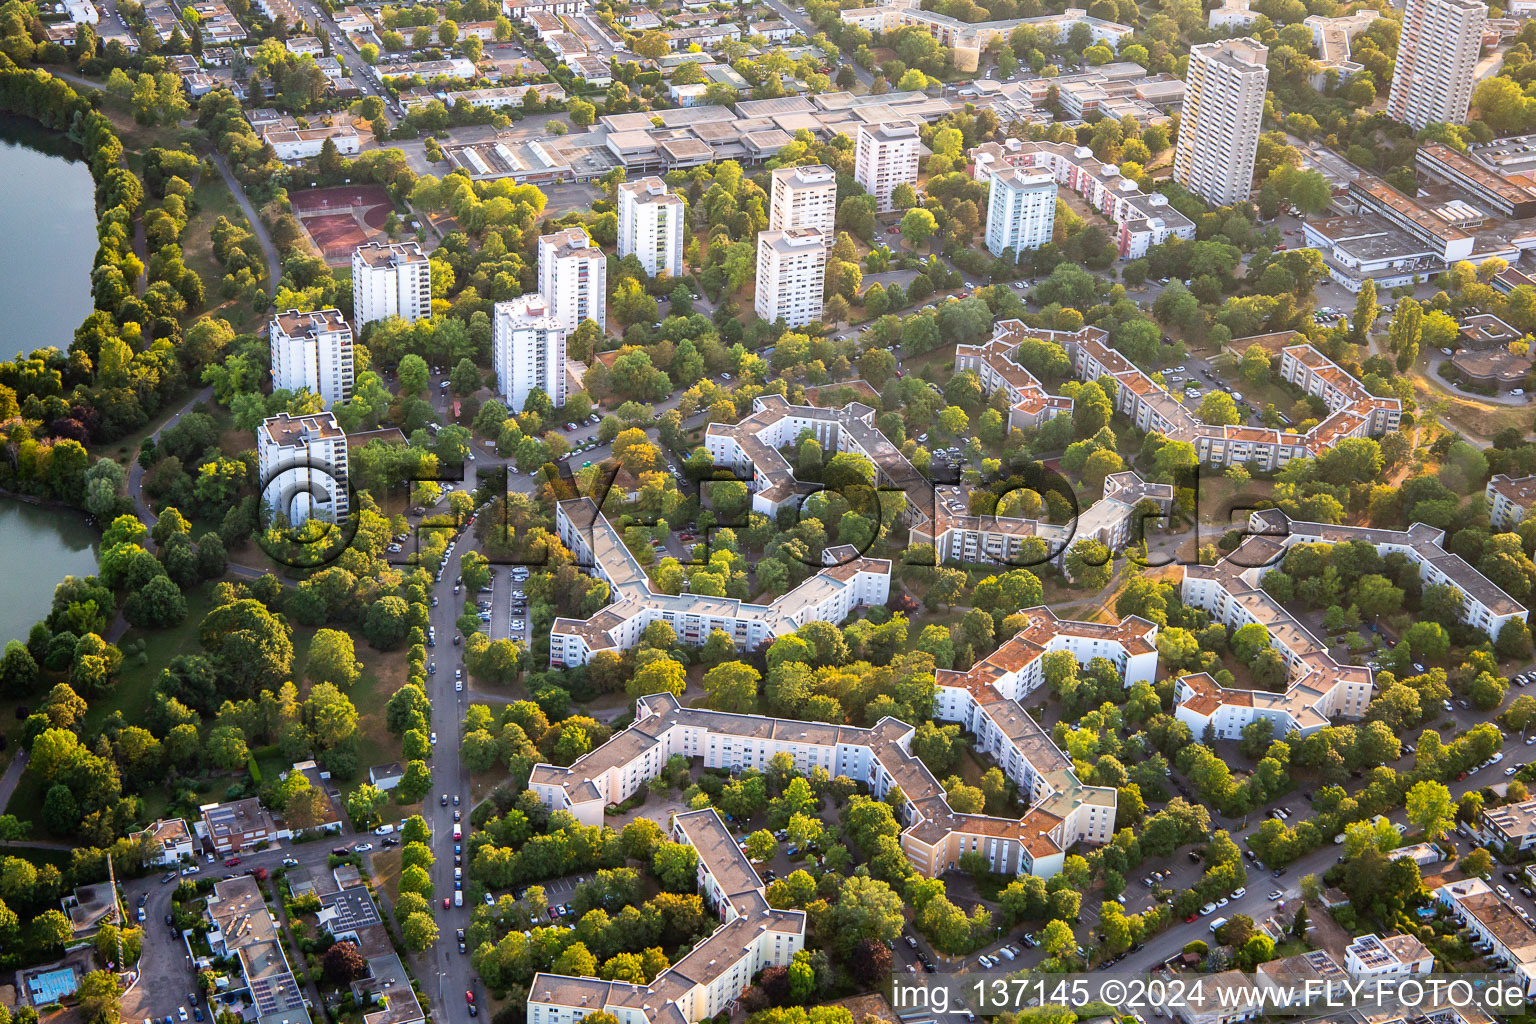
<point x="651" y="226"/>
<point x="573" y="278"/>
<point x="1140" y="219"/>
<point x="1510" y="499"/>
<point x="1021" y="211"/>
<point x="803" y="197"/>
<point x="1436" y="59"/>
<point x="848" y="582"/>
<point x="1223" y="108"/>
<point x="885" y="155"/>
<point x="312" y="352"/>
<point x="391" y="279"/>
<point x="302" y="462"/>
<point x="707" y="979"/>
<point x="528" y="350"/>
<point x="791" y="273"/>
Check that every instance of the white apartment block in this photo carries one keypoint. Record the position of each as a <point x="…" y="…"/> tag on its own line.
<point x="969" y="39"/>
<point x="573" y="278"/>
<point x="390" y="279"/>
<point x="791" y="273"/>
<point x="312" y="351"/>
<point x="651" y="226"/>
<point x="302" y="461"/>
<point x="829" y="596"/>
<point x="1354" y="411"/>
<point x="1370" y="956"/>
<point x="528" y="350"/>
<point x="1021" y="211"/>
<point x="1436" y="61"/>
<point x="1223" y="108"/>
<point x="884" y="157"/>
<point x="803" y="197"/>
<point x="1493" y="921"/>
<point x="1319" y="687"/>
<point x="936" y="516"/>
<point x="752" y="935"/>
<point x="1062" y="810"/>
<point x="1141" y="220"/>
<point x="1510" y="499"/>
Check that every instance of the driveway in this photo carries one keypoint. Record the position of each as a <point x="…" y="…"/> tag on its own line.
<point x="165" y="975"/>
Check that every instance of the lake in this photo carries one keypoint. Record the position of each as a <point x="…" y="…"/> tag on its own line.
<point x="48" y="211"/>
<point x="39" y="547"/>
<point x="49" y="215"/>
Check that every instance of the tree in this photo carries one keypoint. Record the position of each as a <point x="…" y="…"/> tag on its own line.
<point x="251" y="648"/>
<point x="866" y="908"/>
<point x="415" y="784"/>
<point x="1254" y="368"/>
<point x="51" y="929"/>
<point x="1502" y="105"/>
<point x="1478" y="862"/>
<point x="100" y="996"/>
<point x="676" y="866"/>
<point x="413" y="374"/>
<point x="660" y="676"/>
<point x="917" y="226"/>
<point x="1090" y="564"/>
<point x="464" y="379"/>
<point x="761" y="846"/>
<point x="1430" y="809"/>
<point x="332" y="659"/>
<point x="343" y="962"/>
<point x="363" y="805"/>
<point x="1218" y="409"/>
<point x="1365" y="312"/>
<point x="651" y="44"/>
<point x="732" y="687"/>
<point x="419" y="932"/>
<point x="386" y="623"/>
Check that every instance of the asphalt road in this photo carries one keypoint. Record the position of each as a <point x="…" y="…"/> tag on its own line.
<point x="454" y="975"/>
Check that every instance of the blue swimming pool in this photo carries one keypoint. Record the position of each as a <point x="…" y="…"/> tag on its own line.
<point x="51" y="986"/>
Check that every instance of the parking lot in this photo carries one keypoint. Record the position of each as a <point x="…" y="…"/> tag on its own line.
<point x="503" y="605"/>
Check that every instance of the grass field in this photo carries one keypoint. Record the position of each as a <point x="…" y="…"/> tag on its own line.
<point x="1481" y="420"/>
<point x="136" y="682"/>
<point x="214" y="200"/>
<point x="383" y="674"/>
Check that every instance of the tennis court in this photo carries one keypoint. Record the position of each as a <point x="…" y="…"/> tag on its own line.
<point x="336" y="236"/>
<point x="341" y="198"/>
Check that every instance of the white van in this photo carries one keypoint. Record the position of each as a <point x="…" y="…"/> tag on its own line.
<point x="1216" y="924"/>
<point x="458" y="898"/>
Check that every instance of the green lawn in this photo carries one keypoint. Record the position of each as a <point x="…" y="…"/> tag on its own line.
<point x="383" y="674"/>
<point x="137" y="681"/>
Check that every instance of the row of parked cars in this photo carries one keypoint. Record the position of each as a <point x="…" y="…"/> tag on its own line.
<point x="991" y="960"/>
